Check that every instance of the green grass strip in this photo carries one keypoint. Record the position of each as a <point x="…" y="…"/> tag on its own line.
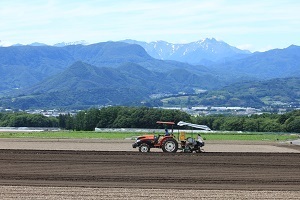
<point x="122" y="135"/>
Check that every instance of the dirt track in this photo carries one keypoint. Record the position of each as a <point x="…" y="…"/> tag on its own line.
<point x="126" y="145"/>
<point x="133" y="171"/>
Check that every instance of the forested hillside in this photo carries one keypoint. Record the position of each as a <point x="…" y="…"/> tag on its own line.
<point x="283" y="92"/>
<point x="83" y="86"/>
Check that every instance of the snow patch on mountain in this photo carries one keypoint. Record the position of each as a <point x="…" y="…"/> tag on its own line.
<point x="62" y="44"/>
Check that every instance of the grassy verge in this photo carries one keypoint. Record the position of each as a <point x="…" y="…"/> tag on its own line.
<point x="121" y="135"/>
<point x="67" y="135"/>
<point x="251" y="136"/>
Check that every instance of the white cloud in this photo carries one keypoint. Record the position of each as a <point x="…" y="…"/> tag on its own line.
<point x="233" y="21"/>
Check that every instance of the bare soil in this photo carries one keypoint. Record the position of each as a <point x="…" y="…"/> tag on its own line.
<point x="125" y="145"/>
<point x="37" y="173"/>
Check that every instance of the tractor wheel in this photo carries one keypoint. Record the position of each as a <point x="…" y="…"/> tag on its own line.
<point x="170" y="145"/>
<point x="144" y="148"/>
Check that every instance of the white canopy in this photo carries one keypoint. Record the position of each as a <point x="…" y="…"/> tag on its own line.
<point x="204" y="127"/>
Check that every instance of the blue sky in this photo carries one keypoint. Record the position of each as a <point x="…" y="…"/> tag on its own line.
<point x="256" y="25"/>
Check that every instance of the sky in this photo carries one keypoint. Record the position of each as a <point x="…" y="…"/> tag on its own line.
<point x="256" y="25"/>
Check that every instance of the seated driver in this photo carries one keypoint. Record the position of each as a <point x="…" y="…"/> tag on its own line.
<point x="166" y="132"/>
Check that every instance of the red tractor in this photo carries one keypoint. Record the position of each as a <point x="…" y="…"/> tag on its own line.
<point x="168" y="142"/>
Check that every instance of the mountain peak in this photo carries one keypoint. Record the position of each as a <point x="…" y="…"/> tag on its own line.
<point x="293" y="46"/>
<point x="210" y="40"/>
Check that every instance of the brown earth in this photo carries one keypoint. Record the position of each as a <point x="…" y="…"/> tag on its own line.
<point x="129" y="175"/>
<point x="112" y="169"/>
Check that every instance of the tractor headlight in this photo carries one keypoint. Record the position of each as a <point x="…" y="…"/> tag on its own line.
<point x="137" y="141"/>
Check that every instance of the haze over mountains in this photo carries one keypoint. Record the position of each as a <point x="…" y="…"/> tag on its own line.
<point x="129" y="72"/>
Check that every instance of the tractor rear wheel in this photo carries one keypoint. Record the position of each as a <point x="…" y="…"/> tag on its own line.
<point x="144" y="148"/>
<point x="170" y="145"/>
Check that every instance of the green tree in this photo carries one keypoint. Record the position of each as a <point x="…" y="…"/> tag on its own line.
<point x="293" y="124"/>
<point x="233" y="124"/>
<point x="62" y="121"/>
<point x="70" y="122"/>
<point x="270" y="125"/>
<point x="251" y="124"/>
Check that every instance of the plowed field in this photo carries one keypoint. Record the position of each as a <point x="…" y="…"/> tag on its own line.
<point x="129" y="175"/>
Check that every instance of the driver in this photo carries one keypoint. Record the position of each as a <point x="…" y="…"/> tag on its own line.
<point x="166" y="132"/>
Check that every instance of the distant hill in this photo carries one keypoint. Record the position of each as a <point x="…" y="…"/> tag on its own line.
<point x="24" y="66"/>
<point x="279" y="92"/>
<point x="84" y="85"/>
<point x="276" y="63"/>
<point x="204" y="52"/>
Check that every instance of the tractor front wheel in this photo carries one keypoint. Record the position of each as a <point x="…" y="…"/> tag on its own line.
<point x="144" y="148"/>
<point x="170" y="145"/>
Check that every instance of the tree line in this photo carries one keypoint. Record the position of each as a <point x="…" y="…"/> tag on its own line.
<point x="289" y="122"/>
<point x="144" y="117"/>
<point x="120" y="117"/>
<point x="22" y="119"/>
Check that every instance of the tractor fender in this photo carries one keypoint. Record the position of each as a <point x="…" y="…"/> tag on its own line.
<point x="164" y="138"/>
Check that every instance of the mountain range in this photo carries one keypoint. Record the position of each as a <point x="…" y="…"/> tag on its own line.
<point x="127" y="72"/>
<point x="202" y="52"/>
<point x="24" y="66"/>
